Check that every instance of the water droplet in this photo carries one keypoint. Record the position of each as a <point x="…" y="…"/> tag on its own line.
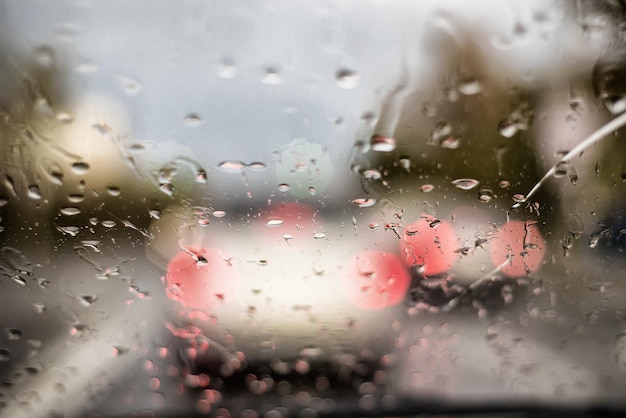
<point x="193" y="120"/>
<point x="114" y="190"/>
<point x="257" y="166"/>
<point x="69" y="211"/>
<point x="312" y="191"/>
<point x="5" y="354"/>
<point x="56" y="173"/>
<point x="226" y="69"/>
<point x="167" y="174"/>
<point x="43" y="106"/>
<point x="504" y="184"/>
<point x="44" y="55"/>
<point x="576" y="226"/>
<point x="507" y="128"/>
<point x="274" y="222"/>
<point x="272" y="76"/>
<point x="3" y="201"/>
<point x="167" y="188"/>
<point x="155" y="214"/>
<point x="347" y="79"/>
<point x="519" y="198"/>
<point x="465" y="184"/>
<point x="108" y="224"/>
<point x="39" y="307"/>
<point x="469" y="87"/>
<point x="88" y="300"/>
<point x="231" y="166"/>
<point x="76" y="197"/>
<point x="364" y="202"/>
<point x="201" y="176"/>
<point x="219" y="213"/>
<point x="615" y="103"/>
<point x="405" y="162"/>
<point x="382" y="143"/>
<point x="372" y="174"/>
<point x="283" y="187"/>
<point x="440" y="131"/>
<point x="80" y="168"/>
<point x="485" y="195"/>
<point x="319" y="235"/>
<point x="429" y="110"/>
<point x="68" y="230"/>
<point x="34" y="192"/>
<point x="14" y="334"/>
<point x="64" y="117"/>
<point x="561" y="169"/>
<point x="130" y="86"/>
<point x="425" y="188"/>
<point x="450" y="142"/>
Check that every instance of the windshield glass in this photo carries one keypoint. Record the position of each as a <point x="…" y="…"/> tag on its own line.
<point x="311" y="208"/>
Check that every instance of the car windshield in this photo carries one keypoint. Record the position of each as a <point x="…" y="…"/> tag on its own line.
<point x="312" y="208"/>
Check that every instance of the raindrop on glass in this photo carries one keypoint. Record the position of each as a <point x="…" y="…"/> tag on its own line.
<point x="80" y="167"/>
<point x="87" y="300"/>
<point x="465" y="184"/>
<point x="226" y="69"/>
<point x="114" y="190"/>
<point x="218" y="213"/>
<point x="405" y="162"/>
<point x="130" y="86"/>
<point x="193" y="120"/>
<point x="372" y="174"/>
<point x="364" y="202"/>
<point x="76" y="197"/>
<point x="450" y="142"/>
<point x="70" y="211"/>
<point x="283" y="187"/>
<point x="382" y="143"/>
<point x="561" y="169"/>
<point x="347" y="79"/>
<point x="201" y="176"/>
<point x="64" y="117"/>
<point x="519" y="198"/>
<point x="44" y="55"/>
<point x="231" y="166"/>
<point x="319" y="235"/>
<point x="14" y="334"/>
<point x="68" y="230"/>
<point x="257" y="166"/>
<point x="507" y="128"/>
<point x="272" y="76"/>
<point x="34" y="192"/>
<point x="615" y="103"/>
<point x="274" y="222"/>
<point x="167" y="188"/>
<point x="469" y="87"/>
<point x="485" y="195"/>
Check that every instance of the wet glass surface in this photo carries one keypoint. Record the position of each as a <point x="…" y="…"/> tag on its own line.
<point x="274" y="209"/>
